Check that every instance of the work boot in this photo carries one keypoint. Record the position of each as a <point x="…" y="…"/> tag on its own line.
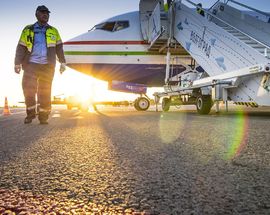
<point x="28" y="119"/>
<point x="43" y="118"/>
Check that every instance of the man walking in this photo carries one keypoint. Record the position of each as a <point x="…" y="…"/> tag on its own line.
<point x="36" y="53"/>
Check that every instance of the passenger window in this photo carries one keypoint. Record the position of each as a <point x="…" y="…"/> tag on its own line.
<point x="120" y="25"/>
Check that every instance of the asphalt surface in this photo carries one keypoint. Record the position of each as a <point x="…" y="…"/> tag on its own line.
<point x="119" y="161"/>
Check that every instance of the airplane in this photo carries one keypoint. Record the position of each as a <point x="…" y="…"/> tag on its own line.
<point x="117" y="51"/>
<point x="155" y="47"/>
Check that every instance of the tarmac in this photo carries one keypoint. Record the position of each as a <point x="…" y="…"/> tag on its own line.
<point x="120" y="161"/>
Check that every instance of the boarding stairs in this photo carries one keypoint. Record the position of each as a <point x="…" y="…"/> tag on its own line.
<point x="231" y="47"/>
<point x="161" y="46"/>
<point x="217" y="43"/>
<point x="248" y="40"/>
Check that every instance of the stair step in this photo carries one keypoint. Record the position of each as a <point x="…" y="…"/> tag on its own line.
<point x="259" y="48"/>
<point x="245" y="40"/>
<point x="228" y="28"/>
<point x="251" y="43"/>
<point x="232" y="31"/>
<point x="238" y="34"/>
<point x="155" y="47"/>
<point x="243" y="37"/>
<point x="222" y="25"/>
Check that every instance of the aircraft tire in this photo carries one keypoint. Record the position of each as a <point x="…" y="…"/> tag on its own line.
<point x="142" y="104"/>
<point x="136" y="104"/>
<point x="166" y="103"/>
<point x="203" y="104"/>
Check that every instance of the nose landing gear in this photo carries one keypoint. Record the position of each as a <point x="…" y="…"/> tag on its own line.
<point x="142" y="103"/>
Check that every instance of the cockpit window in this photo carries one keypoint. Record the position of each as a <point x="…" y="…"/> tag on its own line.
<point x="111" y="26"/>
<point x="120" y="25"/>
<point x="99" y="26"/>
<point x="108" y="26"/>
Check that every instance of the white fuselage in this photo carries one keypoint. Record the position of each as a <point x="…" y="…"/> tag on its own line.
<point x="109" y="53"/>
<point x="116" y="54"/>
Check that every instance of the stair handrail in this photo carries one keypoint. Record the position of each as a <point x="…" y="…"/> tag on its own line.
<point x="214" y="5"/>
<point x="250" y="8"/>
<point x="226" y="23"/>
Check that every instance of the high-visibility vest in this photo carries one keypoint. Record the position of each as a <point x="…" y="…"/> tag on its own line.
<point x="200" y="11"/>
<point x="27" y="37"/>
<point x="166" y="7"/>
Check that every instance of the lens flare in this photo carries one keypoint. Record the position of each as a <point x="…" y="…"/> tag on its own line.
<point x="239" y="136"/>
<point x="169" y="133"/>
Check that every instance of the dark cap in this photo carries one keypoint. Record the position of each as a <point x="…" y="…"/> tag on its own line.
<point x="42" y="8"/>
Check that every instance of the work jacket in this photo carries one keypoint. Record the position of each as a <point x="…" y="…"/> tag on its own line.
<point x="26" y="42"/>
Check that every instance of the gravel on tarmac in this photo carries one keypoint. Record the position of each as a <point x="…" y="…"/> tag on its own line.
<point x="127" y="162"/>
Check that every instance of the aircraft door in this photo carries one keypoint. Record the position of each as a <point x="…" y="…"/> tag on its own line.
<point x="150" y="18"/>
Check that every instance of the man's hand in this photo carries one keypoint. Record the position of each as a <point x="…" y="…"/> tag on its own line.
<point x="17" y="69"/>
<point x="62" y="67"/>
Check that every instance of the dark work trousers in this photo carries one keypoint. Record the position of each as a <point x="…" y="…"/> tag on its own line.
<point x="37" y="81"/>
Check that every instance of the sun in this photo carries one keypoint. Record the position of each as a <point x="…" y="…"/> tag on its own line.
<point x="72" y="83"/>
<point x="85" y="88"/>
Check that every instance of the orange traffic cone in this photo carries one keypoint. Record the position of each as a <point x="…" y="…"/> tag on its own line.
<point x="6" y="110"/>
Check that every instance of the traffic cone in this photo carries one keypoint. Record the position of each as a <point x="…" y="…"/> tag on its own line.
<point x="6" y="110"/>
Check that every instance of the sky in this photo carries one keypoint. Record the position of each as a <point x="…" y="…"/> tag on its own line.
<point x="71" y="18"/>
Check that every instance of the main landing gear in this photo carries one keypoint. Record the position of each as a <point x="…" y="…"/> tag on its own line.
<point x="142" y="103"/>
